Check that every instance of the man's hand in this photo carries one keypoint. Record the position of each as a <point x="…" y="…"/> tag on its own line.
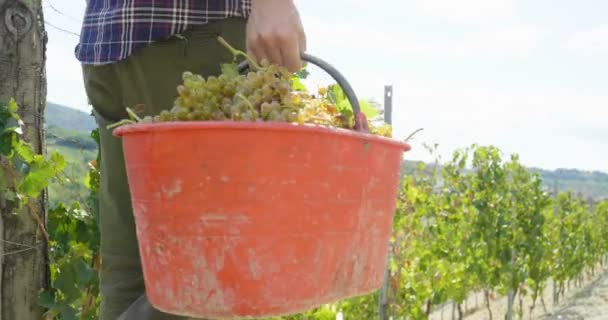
<point x="275" y="33"/>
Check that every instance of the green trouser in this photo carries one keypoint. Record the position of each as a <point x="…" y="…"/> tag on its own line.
<point x="149" y="77"/>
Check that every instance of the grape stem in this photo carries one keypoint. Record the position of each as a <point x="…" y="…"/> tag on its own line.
<point x="134" y="119"/>
<point x="120" y="123"/>
<point x="133" y="115"/>
<point x="237" y="52"/>
<point x="246" y="101"/>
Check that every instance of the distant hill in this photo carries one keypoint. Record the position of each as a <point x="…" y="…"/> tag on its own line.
<point x="591" y="184"/>
<point x="58" y="136"/>
<point x="69" y="118"/>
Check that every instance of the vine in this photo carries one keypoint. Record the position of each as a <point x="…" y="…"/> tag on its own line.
<point x="74" y="254"/>
<point x="480" y="223"/>
<point x="23" y="173"/>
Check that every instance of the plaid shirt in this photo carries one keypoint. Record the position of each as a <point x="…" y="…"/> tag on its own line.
<point x="113" y="29"/>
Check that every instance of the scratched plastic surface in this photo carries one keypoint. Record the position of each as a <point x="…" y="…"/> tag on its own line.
<point x="241" y="220"/>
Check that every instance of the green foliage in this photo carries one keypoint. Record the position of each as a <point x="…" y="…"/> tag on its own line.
<point x="337" y="96"/>
<point x="73" y="236"/>
<point x="296" y="80"/>
<point x="325" y="312"/>
<point x="74" y="254"/>
<point x="71" y="185"/>
<point x="363" y="307"/>
<point x="23" y="172"/>
<point x="230" y="69"/>
<point x="74" y="264"/>
<point x="303" y="73"/>
<point x="475" y="222"/>
<point x="480" y="222"/>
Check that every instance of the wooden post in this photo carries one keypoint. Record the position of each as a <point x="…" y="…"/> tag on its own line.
<point x="23" y="272"/>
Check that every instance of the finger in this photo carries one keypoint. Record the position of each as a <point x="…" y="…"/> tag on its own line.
<point x="290" y="51"/>
<point x="272" y="48"/>
<point x="255" y="50"/>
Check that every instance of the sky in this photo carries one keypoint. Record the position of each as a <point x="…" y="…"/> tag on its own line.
<point x="529" y="77"/>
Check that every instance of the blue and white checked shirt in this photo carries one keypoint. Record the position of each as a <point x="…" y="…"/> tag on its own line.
<point x="113" y="29"/>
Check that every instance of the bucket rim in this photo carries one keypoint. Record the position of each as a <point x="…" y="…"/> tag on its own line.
<point x="258" y="125"/>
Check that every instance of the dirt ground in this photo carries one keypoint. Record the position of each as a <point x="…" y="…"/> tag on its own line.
<point x="589" y="301"/>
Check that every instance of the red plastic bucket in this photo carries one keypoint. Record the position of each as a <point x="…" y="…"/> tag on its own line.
<point x="251" y="220"/>
<point x="240" y="219"/>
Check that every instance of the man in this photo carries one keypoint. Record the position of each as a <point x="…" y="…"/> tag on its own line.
<point x="134" y="52"/>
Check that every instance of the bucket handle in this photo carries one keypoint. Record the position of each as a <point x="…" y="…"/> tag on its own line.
<point x="360" y="119"/>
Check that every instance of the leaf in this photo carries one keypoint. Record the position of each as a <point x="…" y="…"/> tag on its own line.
<point x="58" y="162"/>
<point x="35" y="181"/>
<point x="6" y="144"/>
<point x="346" y="111"/>
<point x="369" y="110"/>
<point x="69" y="313"/>
<point x="13" y="107"/>
<point x="84" y="272"/>
<point x="47" y="299"/>
<point x="24" y="150"/>
<point x="66" y="283"/>
<point x="297" y="85"/>
<point x="87" y="181"/>
<point x="421" y="166"/>
<point x="303" y="73"/>
<point x="335" y="94"/>
<point x="40" y="173"/>
<point x="11" y="125"/>
<point x="230" y="69"/>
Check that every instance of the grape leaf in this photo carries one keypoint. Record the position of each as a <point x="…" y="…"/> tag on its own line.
<point x="21" y="166"/>
<point x="58" y="161"/>
<point x="368" y="109"/>
<point x="297" y="84"/>
<point x="66" y="282"/>
<point x="47" y="299"/>
<point x="12" y="107"/>
<point x="303" y="73"/>
<point x="24" y="151"/>
<point x="11" y="125"/>
<point x="41" y="172"/>
<point x="84" y="272"/>
<point x="336" y="95"/>
<point x="6" y="144"/>
<point x="230" y="69"/>
<point x="69" y="313"/>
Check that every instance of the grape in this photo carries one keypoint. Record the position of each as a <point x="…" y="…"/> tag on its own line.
<point x="218" y="115"/>
<point x="262" y="94"/>
<point x="275" y="115"/>
<point x="265" y="109"/>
